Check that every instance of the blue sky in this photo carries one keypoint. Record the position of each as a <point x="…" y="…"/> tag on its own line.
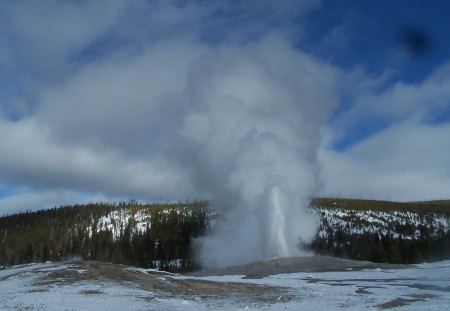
<point x="93" y="95"/>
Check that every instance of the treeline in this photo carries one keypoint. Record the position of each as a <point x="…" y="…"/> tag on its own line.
<point x="161" y="235"/>
<point x="383" y="231"/>
<point x="76" y="232"/>
<point x="422" y="207"/>
<point x="377" y="247"/>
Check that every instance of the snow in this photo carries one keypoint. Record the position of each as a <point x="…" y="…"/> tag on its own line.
<point x="139" y="219"/>
<point x="176" y="263"/>
<point x="19" y="291"/>
<point x="117" y="220"/>
<point x="349" y="221"/>
<point x="419" y="287"/>
<point x="360" y="221"/>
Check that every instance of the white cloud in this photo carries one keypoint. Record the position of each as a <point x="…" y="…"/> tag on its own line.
<point x="120" y="103"/>
<point x="382" y="99"/>
<point x="31" y="201"/>
<point x="408" y="160"/>
<point x="29" y="157"/>
<point x="26" y="200"/>
<point x="42" y="36"/>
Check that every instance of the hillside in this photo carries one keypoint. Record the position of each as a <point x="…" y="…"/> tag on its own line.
<point x="383" y="231"/>
<point x="145" y="235"/>
<point x="160" y="235"/>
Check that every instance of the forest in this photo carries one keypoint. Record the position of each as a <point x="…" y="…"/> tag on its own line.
<point x="383" y="231"/>
<point x="72" y="232"/>
<point x="161" y="236"/>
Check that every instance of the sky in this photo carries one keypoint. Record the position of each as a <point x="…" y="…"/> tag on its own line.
<point x="106" y="100"/>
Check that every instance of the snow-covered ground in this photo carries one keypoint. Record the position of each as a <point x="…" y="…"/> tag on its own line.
<point x="93" y="286"/>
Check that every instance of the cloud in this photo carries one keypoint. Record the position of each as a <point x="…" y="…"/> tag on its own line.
<point x="121" y="103"/>
<point x="408" y="158"/>
<point x="50" y="39"/>
<point x="95" y="93"/>
<point x="29" y="157"/>
<point x="26" y="200"/>
<point x="408" y="161"/>
<point x="391" y="101"/>
<point x="40" y="37"/>
<point x="33" y="201"/>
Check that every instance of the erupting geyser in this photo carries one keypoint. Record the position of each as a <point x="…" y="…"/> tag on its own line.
<point x="250" y="135"/>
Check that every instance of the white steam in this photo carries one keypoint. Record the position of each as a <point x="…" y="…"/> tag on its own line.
<point x="250" y="136"/>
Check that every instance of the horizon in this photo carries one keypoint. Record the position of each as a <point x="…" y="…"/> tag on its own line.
<point x="133" y="202"/>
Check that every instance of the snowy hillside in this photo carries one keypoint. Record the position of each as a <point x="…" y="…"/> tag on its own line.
<point x="138" y="220"/>
<point x="145" y="235"/>
<point x="383" y="231"/>
<point x="404" y="224"/>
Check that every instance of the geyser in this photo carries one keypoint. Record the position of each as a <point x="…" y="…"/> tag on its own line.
<point x="250" y="135"/>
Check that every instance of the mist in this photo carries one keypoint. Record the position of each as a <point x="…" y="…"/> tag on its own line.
<point x="250" y="135"/>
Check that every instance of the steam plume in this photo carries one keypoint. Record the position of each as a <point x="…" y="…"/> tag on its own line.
<point x="250" y="136"/>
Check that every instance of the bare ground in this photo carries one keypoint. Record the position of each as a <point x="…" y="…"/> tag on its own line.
<point x="161" y="283"/>
<point x="260" y="269"/>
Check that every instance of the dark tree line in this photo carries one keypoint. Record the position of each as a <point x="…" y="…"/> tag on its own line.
<point x="377" y="247"/>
